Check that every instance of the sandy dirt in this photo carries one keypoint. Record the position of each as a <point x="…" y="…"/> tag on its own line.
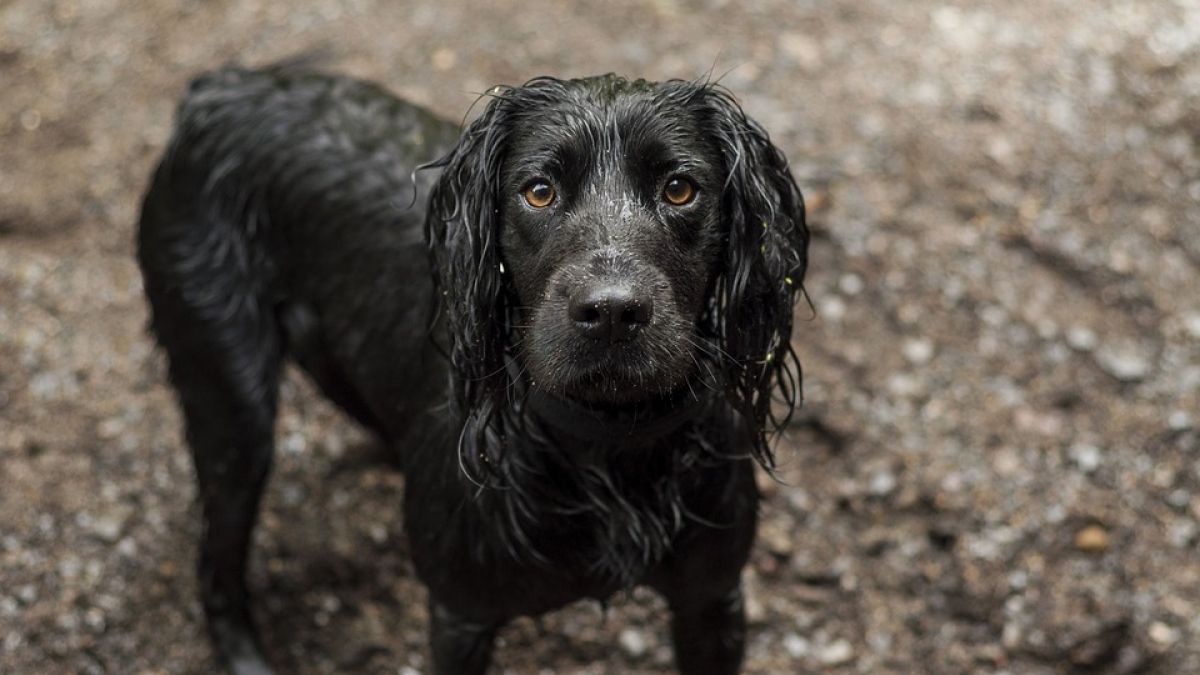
<point x="997" y="468"/>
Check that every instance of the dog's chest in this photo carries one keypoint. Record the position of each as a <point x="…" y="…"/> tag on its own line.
<point x="564" y="532"/>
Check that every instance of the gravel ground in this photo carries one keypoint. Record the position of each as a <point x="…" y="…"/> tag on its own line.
<point x="997" y="469"/>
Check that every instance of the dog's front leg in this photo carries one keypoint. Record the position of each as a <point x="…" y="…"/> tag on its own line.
<point x="709" y="636"/>
<point x="460" y="646"/>
<point x="702" y="586"/>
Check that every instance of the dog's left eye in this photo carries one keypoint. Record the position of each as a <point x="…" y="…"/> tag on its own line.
<point x="679" y="191"/>
<point x="539" y="195"/>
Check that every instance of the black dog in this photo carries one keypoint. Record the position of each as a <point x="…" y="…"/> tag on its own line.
<point x="573" y="344"/>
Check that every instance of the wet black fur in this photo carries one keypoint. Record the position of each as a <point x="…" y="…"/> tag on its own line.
<point x="550" y="455"/>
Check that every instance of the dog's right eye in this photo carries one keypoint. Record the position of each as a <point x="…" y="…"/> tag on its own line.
<point x="539" y="195"/>
<point x="679" y="191"/>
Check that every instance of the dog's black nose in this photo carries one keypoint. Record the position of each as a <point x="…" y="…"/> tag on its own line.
<point x="611" y="313"/>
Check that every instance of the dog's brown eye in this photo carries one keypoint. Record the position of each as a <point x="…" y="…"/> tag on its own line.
<point x="679" y="191"/>
<point x="539" y="195"/>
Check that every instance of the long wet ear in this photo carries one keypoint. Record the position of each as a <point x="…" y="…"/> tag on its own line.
<point x="462" y="229"/>
<point x="764" y="268"/>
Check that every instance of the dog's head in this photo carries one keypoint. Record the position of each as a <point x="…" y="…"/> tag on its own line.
<point x="621" y="242"/>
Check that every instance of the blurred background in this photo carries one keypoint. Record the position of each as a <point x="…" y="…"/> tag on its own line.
<point x="997" y="466"/>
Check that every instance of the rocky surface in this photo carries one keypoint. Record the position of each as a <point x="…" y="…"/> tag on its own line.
<point x="997" y="468"/>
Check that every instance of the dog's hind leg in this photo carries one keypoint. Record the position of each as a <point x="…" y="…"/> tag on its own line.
<point x="231" y="438"/>
<point x="225" y="352"/>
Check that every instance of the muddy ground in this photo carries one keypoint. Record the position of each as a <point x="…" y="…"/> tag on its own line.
<point x="997" y="468"/>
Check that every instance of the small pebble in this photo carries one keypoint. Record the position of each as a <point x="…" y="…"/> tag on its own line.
<point x="1126" y="363"/>
<point x="1093" y="539"/>
<point x="110" y="525"/>
<point x="833" y="308"/>
<point x="756" y="612"/>
<point x="836" y="653"/>
<point x="632" y="643"/>
<point x="919" y="351"/>
<point x="795" y="645"/>
<point x="1191" y="324"/>
<point x="851" y="284"/>
<point x="1163" y="634"/>
<point x="882" y="483"/>
<point x="1183" y="533"/>
<point x="1085" y="456"/>
<point x="1081" y="338"/>
<point x="1179" y="420"/>
<point x="1012" y="635"/>
<point x="111" y="428"/>
<point x="777" y="540"/>
<point x="31" y="119"/>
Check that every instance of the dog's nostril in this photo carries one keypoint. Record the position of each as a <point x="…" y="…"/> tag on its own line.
<point x="584" y="313"/>
<point x="609" y="313"/>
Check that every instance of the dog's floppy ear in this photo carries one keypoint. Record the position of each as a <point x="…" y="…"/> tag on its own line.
<point x="766" y="257"/>
<point x="462" y="229"/>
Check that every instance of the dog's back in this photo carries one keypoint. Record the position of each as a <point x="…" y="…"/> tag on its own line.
<point x="272" y="172"/>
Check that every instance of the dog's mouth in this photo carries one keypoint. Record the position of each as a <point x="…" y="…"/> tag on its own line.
<point x="612" y="386"/>
<point x="611" y="375"/>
